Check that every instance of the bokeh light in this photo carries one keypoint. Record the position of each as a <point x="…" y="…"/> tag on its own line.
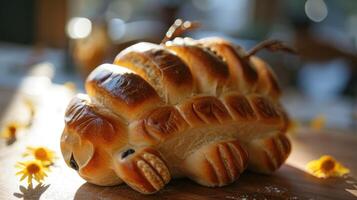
<point x="316" y="10"/>
<point x="79" y="27"/>
<point x="116" y="29"/>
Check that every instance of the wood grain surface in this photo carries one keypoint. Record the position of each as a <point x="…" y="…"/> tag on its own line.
<point x="289" y="182"/>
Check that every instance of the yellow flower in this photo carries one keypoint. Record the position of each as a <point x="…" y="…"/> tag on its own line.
<point x="10" y="130"/>
<point x="32" y="170"/>
<point x="43" y="154"/>
<point x="326" y="167"/>
<point x="318" y="122"/>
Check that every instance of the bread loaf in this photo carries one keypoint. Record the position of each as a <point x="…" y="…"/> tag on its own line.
<point x="200" y="109"/>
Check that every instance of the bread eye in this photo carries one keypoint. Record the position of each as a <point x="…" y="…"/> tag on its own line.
<point x="127" y="153"/>
<point x="73" y="163"/>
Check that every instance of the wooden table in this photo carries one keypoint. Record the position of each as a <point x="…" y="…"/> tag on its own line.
<point x="289" y="182"/>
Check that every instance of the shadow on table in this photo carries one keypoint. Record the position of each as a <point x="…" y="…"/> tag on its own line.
<point x="31" y="193"/>
<point x="287" y="183"/>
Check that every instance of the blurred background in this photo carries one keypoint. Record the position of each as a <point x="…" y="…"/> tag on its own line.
<point x="59" y="42"/>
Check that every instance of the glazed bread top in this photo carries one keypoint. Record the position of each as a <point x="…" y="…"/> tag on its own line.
<point x="155" y="92"/>
<point x="148" y="75"/>
<point x="183" y="82"/>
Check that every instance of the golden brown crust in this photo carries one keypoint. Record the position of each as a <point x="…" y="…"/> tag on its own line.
<point x="87" y="135"/>
<point x="144" y="170"/>
<point x="269" y="153"/>
<point x="264" y="107"/>
<point x="166" y="122"/>
<point x="82" y="119"/>
<point x="239" y="107"/>
<point x="268" y="113"/>
<point x="217" y="164"/>
<point x="286" y="119"/>
<point x="267" y="83"/>
<point x="166" y="72"/>
<point x="189" y="100"/>
<point x="204" y="110"/>
<point x="240" y="69"/>
<point x="98" y="169"/>
<point x="121" y="90"/>
<point x="210" y="72"/>
<point x="157" y="126"/>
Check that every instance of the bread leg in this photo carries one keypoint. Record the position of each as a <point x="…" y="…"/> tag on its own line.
<point x="142" y="169"/>
<point x="268" y="154"/>
<point x="216" y="164"/>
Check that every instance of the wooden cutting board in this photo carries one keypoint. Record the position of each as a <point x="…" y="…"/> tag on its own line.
<point x="289" y="182"/>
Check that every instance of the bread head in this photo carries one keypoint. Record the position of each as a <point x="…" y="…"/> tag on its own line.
<point x="88" y="139"/>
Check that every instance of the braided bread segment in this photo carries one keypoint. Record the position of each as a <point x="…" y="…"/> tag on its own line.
<point x="240" y="112"/>
<point x="209" y="71"/>
<point x="178" y="104"/>
<point x="122" y="91"/>
<point x="242" y="75"/>
<point x="164" y="70"/>
<point x="185" y="67"/>
<point x="267" y="83"/>
<point x="269" y="153"/>
<point x="217" y="163"/>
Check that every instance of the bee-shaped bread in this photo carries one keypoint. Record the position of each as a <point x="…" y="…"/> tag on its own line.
<point x="202" y="109"/>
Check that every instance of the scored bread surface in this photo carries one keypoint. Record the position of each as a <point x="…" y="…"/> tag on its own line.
<point x="194" y="108"/>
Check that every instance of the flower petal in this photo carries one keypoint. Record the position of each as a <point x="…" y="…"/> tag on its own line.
<point x="23" y="177"/>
